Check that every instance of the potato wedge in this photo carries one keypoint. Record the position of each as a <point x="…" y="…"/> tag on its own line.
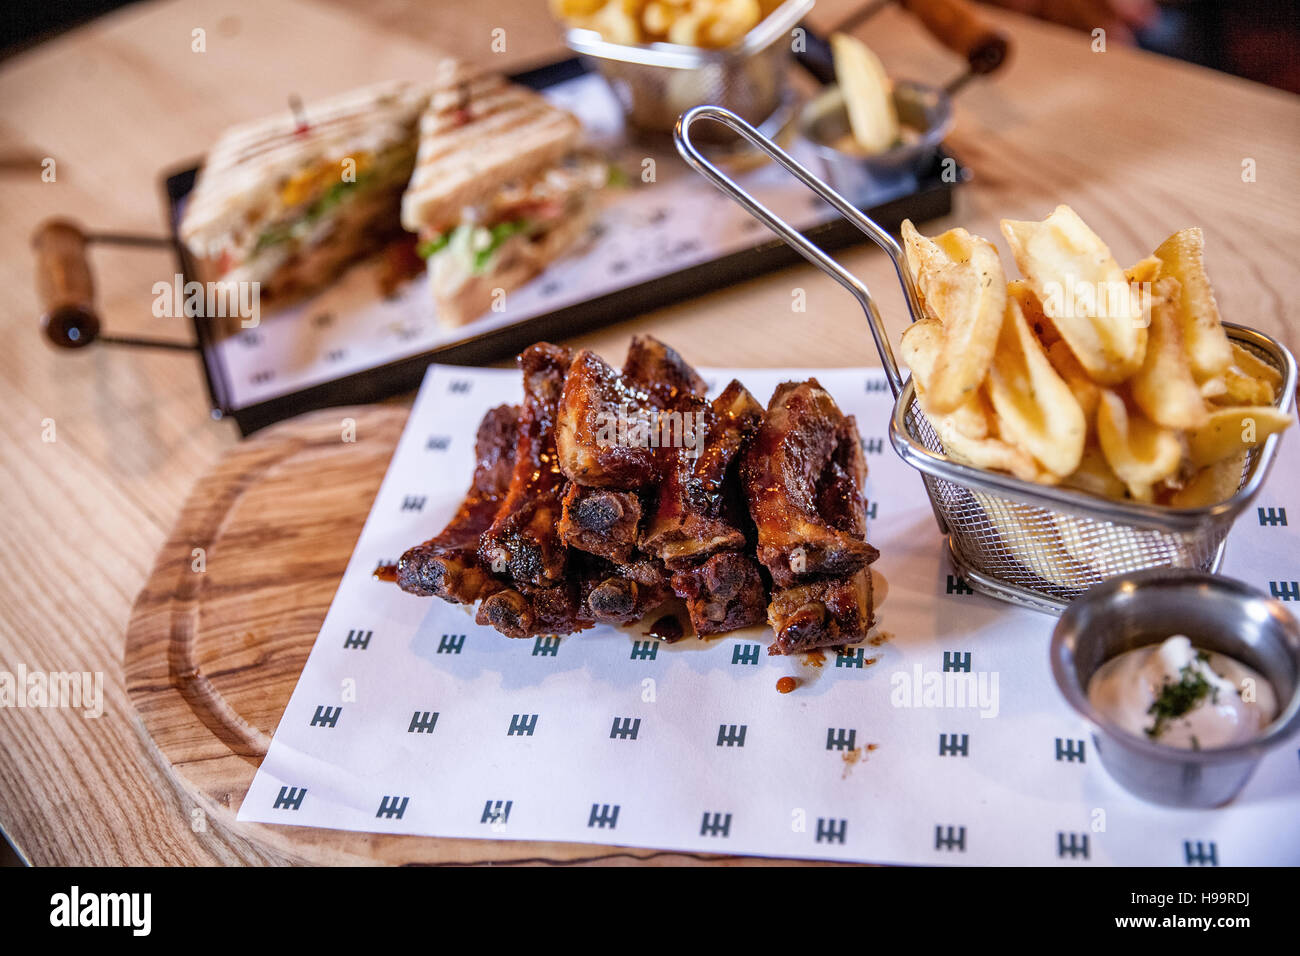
<point x="961" y="280"/>
<point x="1019" y="290"/>
<point x="1148" y="270"/>
<point x="1208" y="348"/>
<point x="1084" y="292"/>
<point x="1164" y="386"/>
<point x="920" y="349"/>
<point x="1036" y="411"/>
<point x="1228" y="431"/>
<point x="1094" y="475"/>
<point x="1139" y="452"/>
<point x="1241" y="389"/>
<point x="1212" y="484"/>
<point x="868" y="94"/>
<point x="990" y="452"/>
<point x="1086" y="392"/>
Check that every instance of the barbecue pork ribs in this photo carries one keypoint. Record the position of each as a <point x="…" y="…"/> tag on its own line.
<point x="803" y="477"/>
<point x="608" y="492"/>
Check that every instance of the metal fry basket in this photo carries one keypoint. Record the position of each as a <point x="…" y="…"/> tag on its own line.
<point x="1035" y="545"/>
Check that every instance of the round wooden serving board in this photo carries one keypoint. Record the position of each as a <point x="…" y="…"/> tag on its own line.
<point x="218" y="636"/>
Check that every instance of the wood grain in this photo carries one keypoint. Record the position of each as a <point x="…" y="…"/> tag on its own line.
<point x="1138" y="144"/>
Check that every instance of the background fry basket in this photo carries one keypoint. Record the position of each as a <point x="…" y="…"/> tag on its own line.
<point x="1035" y="545"/>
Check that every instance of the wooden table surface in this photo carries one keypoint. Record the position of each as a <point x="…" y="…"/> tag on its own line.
<point x="1138" y="145"/>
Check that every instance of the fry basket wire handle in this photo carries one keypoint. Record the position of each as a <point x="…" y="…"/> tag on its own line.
<point x="792" y="237"/>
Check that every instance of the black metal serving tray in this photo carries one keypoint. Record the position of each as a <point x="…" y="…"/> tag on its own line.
<point x="933" y="199"/>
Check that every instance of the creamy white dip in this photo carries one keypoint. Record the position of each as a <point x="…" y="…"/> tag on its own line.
<point x="1180" y="696"/>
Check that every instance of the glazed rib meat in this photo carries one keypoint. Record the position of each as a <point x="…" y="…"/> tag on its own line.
<point x="662" y="374"/>
<point x="602" y="521"/>
<point x="803" y="476"/>
<point x="697" y="512"/>
<point x="724" y="593"/>
<point x="447" y="566"/>
<point x="523" y="543"/>
<point x="530" y="612"/>
<point x="607" y="492"/>
<point x="821" y="613"/>
<point x="621" y="594"/>
<point x="601" y="425"/>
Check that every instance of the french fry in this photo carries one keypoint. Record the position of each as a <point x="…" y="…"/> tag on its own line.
<point x="1241" y="389"/>
<point x="991" y="453"/>
<point x="920" y="350"/>
<point x="1228" y="431"/>
<point x="1094" y="475"/>
<point x="1148" y="270"/>
<point x="1086" y="392"/>
<point x="1164" y="387"/>
<point x="1036" y="411"/>
<point x="1208" y="348"/>
<point x="966" y="433"/>
<point x="961" y="279"/>
<point x="1084" y="292"/>
<point x="1138" y="451"/>
<point x="726" y="21"/>
<point x="1019" y="290"/>
<point x="1212" y="484"/>
<point x="1254" y="366"/>
<point x="615" y="24"/>
<point x="868" y="94"/>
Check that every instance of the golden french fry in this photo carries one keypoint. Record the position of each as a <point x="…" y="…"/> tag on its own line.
<point x="726" y="21"/>
<point x="1019" y="290"/>
<point x="1254" y="366"/>
<point x="1148" y="270"/>
<point x="657" y="19"/>
<point x="615" y="24"/>
<point x="920" y="349"/>
<point x="1241" y="389"/>
<point x="1208" y="348"/>
<point x="1036" y="411"/>
<point x="868" y="94"/>
<point x="1083" y="291"/>
<point x="1139" y="452"/>
<point x="1212" y="484"/>
<point x="1086" y="391"/>
<point x="1164" y="387"/>
<point x="989" y="452"/>
<point x="1227" y="431"/>
<point x="1094" y="475"/>
<point x="967" y="432"/>
<point x="961" y="280"/>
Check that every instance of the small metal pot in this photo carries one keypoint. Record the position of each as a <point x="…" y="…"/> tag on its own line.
<point x="1218" y="614"/>
<point x="825" y="120"/>
<point x="657" y="82"/>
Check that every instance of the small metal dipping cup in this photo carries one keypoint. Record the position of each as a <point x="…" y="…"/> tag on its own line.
<point x="1218" y="614"/>
<point x="860" y="178"/>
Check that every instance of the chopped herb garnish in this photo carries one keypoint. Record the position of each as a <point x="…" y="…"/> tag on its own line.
<point x="616" y="177"/>
<point x="1176" y="699"/>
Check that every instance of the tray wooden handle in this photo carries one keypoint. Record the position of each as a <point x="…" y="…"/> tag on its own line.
<point x="961" y="28"/>
<point x="64" y="284"/>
